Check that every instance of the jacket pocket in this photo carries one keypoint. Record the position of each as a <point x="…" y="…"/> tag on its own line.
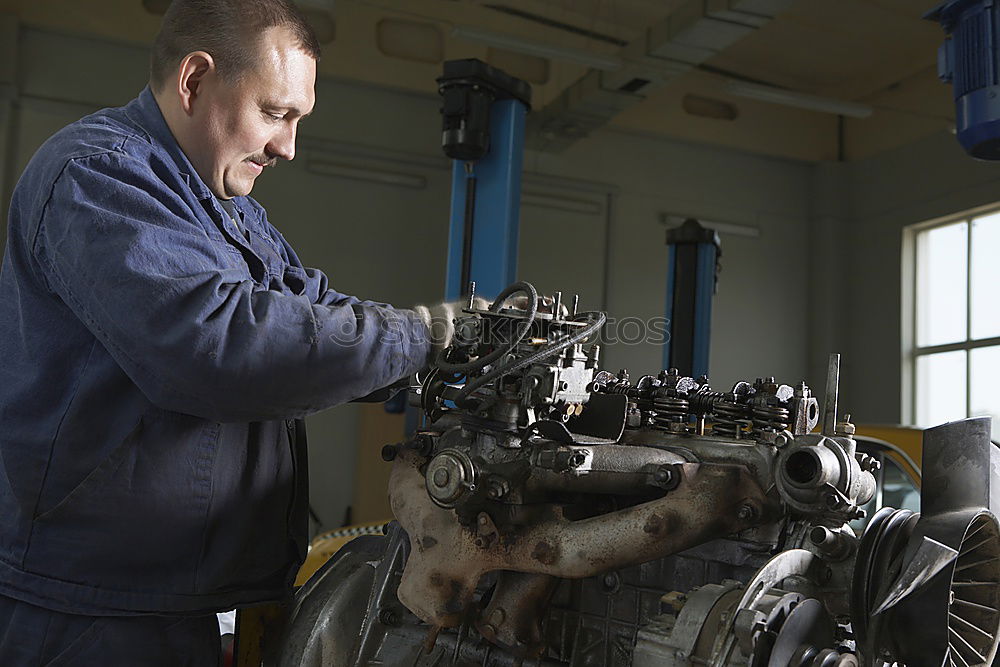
<point x="98" y="477"/>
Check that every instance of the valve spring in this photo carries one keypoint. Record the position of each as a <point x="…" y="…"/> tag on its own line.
<point x="670" y="409"/>
<point x="729" y="419"/>
<point x="770" y="416"/>
<point x="644" y="402"/>
<point x="704" y="402"/>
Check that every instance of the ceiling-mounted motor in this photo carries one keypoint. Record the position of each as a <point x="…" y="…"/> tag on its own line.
<point x="970" y="62"/>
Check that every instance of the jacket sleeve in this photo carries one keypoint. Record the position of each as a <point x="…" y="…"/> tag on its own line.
<point x="179" y="313"/>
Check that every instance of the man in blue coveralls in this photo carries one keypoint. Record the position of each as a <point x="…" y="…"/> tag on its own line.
<point x="160" y="341"/>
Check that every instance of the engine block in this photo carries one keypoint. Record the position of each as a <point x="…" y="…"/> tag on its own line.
<point x="552" y="513"/>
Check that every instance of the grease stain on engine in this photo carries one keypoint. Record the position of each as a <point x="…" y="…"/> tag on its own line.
<point x="544" y="553"/>
<point x="659" y="526"/>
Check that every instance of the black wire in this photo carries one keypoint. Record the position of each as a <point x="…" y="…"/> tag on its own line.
<point x="461" y="398"/>
<point x="470" y="211"/>
<point x="524" y="328"/>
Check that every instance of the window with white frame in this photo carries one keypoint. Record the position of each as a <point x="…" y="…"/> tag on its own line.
<point x="955" y="350"/>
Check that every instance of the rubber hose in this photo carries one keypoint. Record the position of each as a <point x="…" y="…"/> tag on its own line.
<point x="463" y="395"/>
<point x="524" y="328"/>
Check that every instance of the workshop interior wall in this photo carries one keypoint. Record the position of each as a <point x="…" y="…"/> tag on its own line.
<point x="387" y="241"/>
<point x="923" y="181"/>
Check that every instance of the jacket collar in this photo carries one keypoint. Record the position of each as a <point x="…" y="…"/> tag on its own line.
<point x="145" y="112"/>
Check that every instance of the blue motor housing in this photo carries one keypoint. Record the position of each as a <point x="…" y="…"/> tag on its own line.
<point x="968" y="60"/>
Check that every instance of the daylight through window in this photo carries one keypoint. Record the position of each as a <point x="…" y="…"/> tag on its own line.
<point x="956" y="326"/>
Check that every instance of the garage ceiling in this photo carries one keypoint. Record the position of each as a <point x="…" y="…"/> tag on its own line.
<point x="878" y="53"/>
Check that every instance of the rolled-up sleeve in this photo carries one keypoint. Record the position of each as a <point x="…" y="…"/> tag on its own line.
<point x="184" y="320"/>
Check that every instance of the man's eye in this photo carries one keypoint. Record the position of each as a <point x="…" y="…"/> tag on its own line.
<point x="274" y="116"/>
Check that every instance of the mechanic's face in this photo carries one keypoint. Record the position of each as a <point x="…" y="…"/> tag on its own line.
<point x="248" y="124"/>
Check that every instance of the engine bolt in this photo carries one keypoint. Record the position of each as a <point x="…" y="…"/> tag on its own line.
<point x="388" y="617"/>
<point x="746" y="512"/>
<point x="663" y="476"/>
<point x="498" y="488"/>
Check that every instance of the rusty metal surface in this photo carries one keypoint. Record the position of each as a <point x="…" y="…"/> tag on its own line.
<point x="598" y="469"/>
<point x="446" y="562"/>
<point x="513" y="618"/>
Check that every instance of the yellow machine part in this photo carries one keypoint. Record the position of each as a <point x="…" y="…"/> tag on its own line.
<point x="324" y="545"/>
<point x="256" y="625"/>
<point x="907" y="438"/>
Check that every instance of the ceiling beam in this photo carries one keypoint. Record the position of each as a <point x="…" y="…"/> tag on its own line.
<point x="693" y="33"/>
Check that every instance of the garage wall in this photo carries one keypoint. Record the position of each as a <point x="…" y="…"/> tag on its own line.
<point x="925" y="180"/>
<point x="387" y="240"/>
<point x="751" y="335"/>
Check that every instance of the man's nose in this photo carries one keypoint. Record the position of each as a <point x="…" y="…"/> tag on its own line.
<point x="283" y="144"/>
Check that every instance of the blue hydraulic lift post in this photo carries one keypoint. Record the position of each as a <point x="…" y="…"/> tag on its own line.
<point x="692" y="269"/>
<point x="484" y="112"/>
<point x="493" y="263"/>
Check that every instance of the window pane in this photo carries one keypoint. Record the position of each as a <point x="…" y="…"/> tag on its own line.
<point x="985" y="397"/>
<point x="985" y="269"/>
<point x="897" y="489"/>
<point x="894" y="490"/>
<point x="941" y="284"/>
<point x="940" y="388"/>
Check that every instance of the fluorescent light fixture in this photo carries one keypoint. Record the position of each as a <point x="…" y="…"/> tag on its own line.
<point x="561" y="203"/>
<point x="522" y="45"/>
<point x="362" y="173"/>
<point x="790" y="98"/>
<point x="672" y="220"/>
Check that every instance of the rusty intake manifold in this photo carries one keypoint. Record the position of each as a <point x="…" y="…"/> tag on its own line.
<point x="448" y="559"/>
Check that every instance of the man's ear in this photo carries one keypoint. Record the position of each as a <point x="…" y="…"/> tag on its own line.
<point x="191" y="74"/>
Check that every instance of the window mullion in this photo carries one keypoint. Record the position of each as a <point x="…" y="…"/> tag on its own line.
<point x="968" y="318"/>
<point x="913" y="330"/>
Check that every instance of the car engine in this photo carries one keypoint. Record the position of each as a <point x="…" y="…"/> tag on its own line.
<point x="550" y="513"/>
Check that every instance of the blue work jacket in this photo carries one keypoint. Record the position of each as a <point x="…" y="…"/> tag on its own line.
<point x="153" y="365"/>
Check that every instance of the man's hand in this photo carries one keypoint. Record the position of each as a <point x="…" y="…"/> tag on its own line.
<point x="440" y="321"/>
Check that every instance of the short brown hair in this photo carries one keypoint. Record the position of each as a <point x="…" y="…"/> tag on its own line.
<point x="227" y="30"/>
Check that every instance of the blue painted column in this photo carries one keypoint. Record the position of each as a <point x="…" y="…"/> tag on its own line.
<point x="692" y="265"/>
<point x="497" y="206"/>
